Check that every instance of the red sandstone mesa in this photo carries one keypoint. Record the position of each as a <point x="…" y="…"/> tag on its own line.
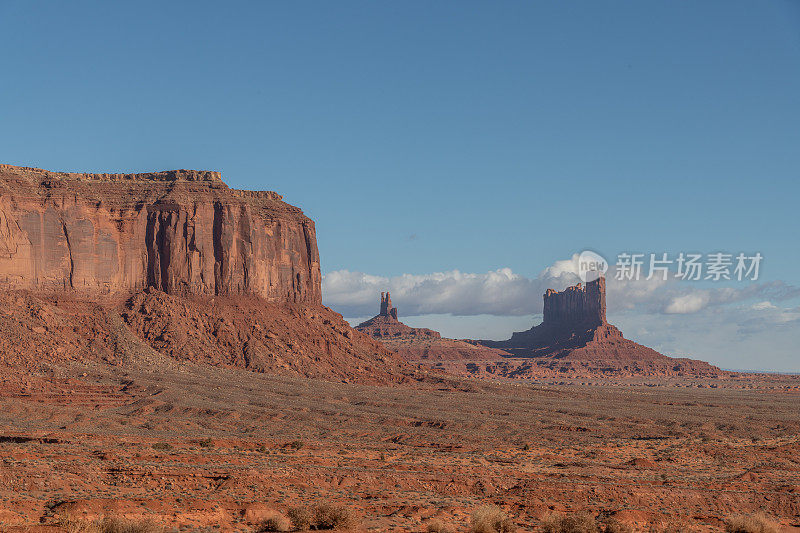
<point x="86" y="260"/>
<point x="386" y="325"/>
<point x="181" y="231"/>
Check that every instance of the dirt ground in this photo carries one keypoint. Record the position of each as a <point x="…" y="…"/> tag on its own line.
<point x="201" y="449"/>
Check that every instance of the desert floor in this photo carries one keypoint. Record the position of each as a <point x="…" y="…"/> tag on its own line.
<point x="200" y="448"/>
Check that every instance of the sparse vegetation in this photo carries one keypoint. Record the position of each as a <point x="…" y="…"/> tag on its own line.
<point x="755" y="523"/>
<point x="274" y="522"/>
<point x="300" y="517"/>
<point x="578" y="523"/>
<point x="491" y="519"/>
<point x="581" y="523"/>
<point x="437" y="526"/>
<point x="331" y="516"/>
<point x="111" y="525"/>
<point x="323" y="516"/>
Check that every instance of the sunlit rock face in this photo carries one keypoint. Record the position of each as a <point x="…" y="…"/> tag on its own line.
<point x="180" y="231"/>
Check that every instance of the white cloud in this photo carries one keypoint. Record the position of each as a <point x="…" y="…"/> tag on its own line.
<point x="686" y="304"/>
<point x="741" y="326"/>
<point x="499" y="292"/>
<point x="740" y="337"/>
<point x="502" y="292"/>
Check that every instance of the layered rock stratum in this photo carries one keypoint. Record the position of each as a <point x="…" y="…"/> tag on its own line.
<point x="180" y="231"/>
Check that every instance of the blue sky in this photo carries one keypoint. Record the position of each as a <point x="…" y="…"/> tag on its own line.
<point x="433" y="137"/>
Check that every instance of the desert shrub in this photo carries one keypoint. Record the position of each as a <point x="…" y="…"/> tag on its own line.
<point x="274" y="522"/>
<point x="162" y="446"/>
<point x="437" y="526"/>
<point x="300" y="517"/>
<point x="206" y="443"/>
<point x="579" y="523"/>
<point x="755" y="523"/>
<point x="330" y="516"/>
<point x="71" y="525"/>
<point x="119" y="525"/>
<point x="111" y="525"/>
<point x="490" y="519"/>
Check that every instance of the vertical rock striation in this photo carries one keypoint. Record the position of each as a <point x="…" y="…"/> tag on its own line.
<point x="180" y="231"/>
<point x="577" y="304"/>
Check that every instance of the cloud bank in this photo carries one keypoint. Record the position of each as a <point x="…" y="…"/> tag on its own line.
<point x="504" y="293"/>
<point x="739" y="326"/>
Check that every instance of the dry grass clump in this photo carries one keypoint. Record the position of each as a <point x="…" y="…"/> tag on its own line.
<point x="274" y="522"/>
<point x="111" y="525"/>
<point x="491" y="519"/>
<point x="300" y="517"/>
<point x="579" y="523"/>
<point x="330" y="516"/>
<point x="322" y="516"/>
<point x="437" y="526"/>
<point x="755" y="523"/>
<point x="71" y="525"/>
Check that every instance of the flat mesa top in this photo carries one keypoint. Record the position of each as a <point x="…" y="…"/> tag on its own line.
<point x="165" y="175"/>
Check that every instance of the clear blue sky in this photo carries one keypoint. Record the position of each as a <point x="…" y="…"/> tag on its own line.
<point x="430" y="136"/>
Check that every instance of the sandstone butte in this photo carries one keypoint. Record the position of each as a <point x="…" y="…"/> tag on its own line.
<point x="574" y="335"/>
<point x="120" y="267"/>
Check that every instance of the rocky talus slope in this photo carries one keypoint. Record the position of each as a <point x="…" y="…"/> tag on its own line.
<point x="43" y="332"/>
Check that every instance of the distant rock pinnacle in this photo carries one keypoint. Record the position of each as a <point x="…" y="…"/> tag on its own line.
<point x="386" y="324"/>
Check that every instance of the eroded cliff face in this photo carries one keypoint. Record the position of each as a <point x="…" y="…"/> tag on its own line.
<point x="181" y="231"/>
<point x="577" y="305"/>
